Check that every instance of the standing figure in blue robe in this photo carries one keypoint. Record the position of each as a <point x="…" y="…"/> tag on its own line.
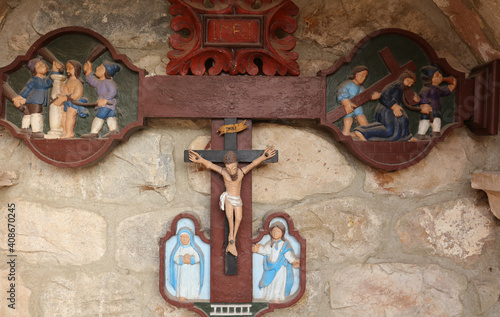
<point x="186" y="266"/>
<point x="391" y="121"/>
<point x="279" y="261"/>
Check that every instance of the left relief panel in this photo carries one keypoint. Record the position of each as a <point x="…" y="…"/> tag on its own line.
<point x="71" y="97"/>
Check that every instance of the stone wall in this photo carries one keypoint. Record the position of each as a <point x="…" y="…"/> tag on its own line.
<point x="417" y="242"/>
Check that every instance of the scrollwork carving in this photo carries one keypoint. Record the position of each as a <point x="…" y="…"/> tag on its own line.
<point x="192" y="53"/>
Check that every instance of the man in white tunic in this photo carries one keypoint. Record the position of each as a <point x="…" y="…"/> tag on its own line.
<point x="186" y="267"/>
<point x="277" y="279"/>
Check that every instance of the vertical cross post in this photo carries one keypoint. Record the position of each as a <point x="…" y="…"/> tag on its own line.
<point x="230" y="276"/>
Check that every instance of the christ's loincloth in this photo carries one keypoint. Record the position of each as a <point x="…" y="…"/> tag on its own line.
<point x="235" y="201"/>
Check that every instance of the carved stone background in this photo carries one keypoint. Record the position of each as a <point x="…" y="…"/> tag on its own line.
<point x="417" y="242"/>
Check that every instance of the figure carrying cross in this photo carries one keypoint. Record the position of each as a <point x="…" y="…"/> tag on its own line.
<point x="230" y="200"/>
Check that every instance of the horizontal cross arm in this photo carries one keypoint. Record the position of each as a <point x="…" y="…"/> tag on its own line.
<point x="244" y="156"/>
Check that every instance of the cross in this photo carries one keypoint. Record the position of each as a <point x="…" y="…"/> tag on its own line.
<point x="395" y="71"/>
<point x="233" y="274"/>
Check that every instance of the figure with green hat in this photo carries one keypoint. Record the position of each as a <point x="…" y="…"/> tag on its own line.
<point x="106" y="88"/>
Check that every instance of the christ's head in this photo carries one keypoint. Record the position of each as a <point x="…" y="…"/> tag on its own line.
<point x="407" y="79"/>
<point x="231" y="162"/>
<point x="73" y="68"/>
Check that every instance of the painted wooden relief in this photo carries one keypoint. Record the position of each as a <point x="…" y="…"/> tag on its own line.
<point x="276" y="270"/>
<point x="185" y="263"/>
<point x="71" y="98"/>
<point x="277" y="263"/>
<point x="392" y="99"/>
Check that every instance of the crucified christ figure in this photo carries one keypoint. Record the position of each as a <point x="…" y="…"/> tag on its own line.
<point x="230" y="200"/>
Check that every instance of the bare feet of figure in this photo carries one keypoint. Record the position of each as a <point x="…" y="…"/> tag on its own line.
<point x="231" y="248"/>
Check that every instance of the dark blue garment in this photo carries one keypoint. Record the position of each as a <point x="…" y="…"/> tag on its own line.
<point x="36" y="90"/>
<point x="432" y="95"/>
<point x="104" y="113"/>
<point x="388" y="127"/>
<point x="80" y="110"/>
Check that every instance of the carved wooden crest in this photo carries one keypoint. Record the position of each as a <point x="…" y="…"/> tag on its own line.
<point x="233" y="36"/>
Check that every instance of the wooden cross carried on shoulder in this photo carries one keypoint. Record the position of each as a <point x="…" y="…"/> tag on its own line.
<point x="229" y="287"/>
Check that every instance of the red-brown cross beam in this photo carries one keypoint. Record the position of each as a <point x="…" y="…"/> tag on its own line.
<point x="365" y="96"/>
<point x="231" y="276"/>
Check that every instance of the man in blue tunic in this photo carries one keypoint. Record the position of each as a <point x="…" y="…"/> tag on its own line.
<point x="107" y="90"/>
<point x="35" y="96"/>
<point x="348" y="90"/>
<point x="391" y="121"/>
<point x="431" y="95"/>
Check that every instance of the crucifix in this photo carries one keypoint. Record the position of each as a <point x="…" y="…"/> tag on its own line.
<point x="224" y="257"/>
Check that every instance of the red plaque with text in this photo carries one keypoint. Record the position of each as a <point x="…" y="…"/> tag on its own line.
<point x="233" y="32"/>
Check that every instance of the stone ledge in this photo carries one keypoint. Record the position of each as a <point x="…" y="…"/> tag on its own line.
<point x="490" y="183"/>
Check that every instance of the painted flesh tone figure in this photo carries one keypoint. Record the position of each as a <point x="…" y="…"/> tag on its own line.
<point x="72" y="89"/>
<point x="277" y="279"/>
<point x="230" y="200"/>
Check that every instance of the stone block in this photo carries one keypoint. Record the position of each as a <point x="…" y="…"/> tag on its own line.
<point x="83" y="294"/>
<point x="339" y="229"/>
<point x="397" y="289"/>
<point x="138" y="238"/>
<point x="461" y="230"/>
<point x="442" y="169"/>
<point x="56" y="236"/>
<point x="8" y="178"/>
<point x="22" y="294"/>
